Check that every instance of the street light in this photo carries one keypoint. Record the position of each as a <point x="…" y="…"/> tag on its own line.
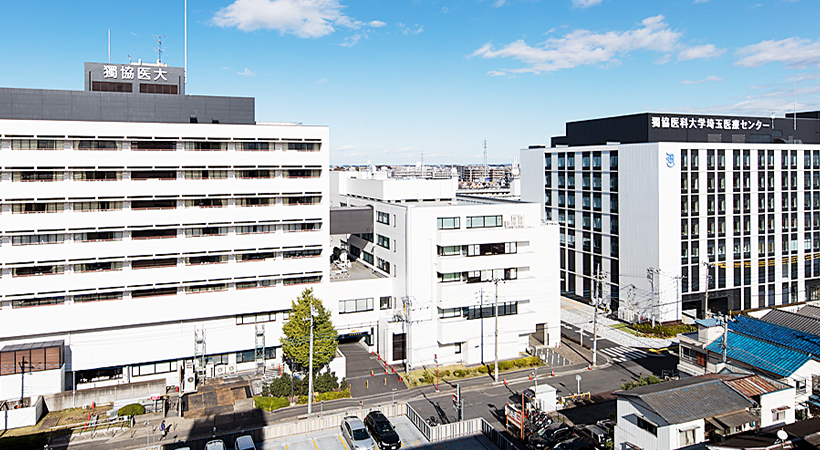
<point x="578" y="379"/>
<point x="147" y="435"/>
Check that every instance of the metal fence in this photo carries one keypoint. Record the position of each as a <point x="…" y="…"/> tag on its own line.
<point x="494" y="435"/>
<point x="458" y="429"/>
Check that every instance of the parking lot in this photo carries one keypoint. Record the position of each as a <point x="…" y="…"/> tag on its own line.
<point x="410" y="437"/>
<point x="332" y="439"/>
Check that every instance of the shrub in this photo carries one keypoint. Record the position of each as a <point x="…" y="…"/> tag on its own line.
<point x="444" y="373"/>
<point x="427" y="377"/>
<point x="270" y="403"/>
<point x="343" y="385"/>
<point x="642" y="381"/>
<point x="460" y="373"/>
<point x="134" y="409"/>
<point x="325" y="382"/>
<point x="302" y="400"/>
<point x="326" y="396"/>
<point x="483" y="369"/>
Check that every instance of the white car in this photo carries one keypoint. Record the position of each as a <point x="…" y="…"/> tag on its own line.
<point x="356" y="434"/>
<point x="215" y="445"/>
<point x="244" y="443"/>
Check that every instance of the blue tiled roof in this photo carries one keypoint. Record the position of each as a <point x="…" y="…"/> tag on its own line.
<point x="708" y="323"/>
<point x="757" y="353"/>
<point x="777" y="334"/>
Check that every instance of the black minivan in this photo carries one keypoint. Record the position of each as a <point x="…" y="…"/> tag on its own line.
<point x="382" y="431"/>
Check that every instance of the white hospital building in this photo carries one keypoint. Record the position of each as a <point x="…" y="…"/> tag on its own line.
<point x="668" y="204"/>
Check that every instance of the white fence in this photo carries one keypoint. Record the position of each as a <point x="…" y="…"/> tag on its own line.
<point x="22" y="417"/>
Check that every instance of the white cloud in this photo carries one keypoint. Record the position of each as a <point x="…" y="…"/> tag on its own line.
<point x="347" y="147"/>
<point x="377" y="23"/>
<point x="302" y="18"/>
<point x="584" y="47"/>
<point x="444" y="10"/>
<point x="701" y="1"/>
<point x="793" y="52"/>
<point x="496" y="73"/>
<point x="585" y="3"/>
<point x="709" y="78"/>
<point x="415" y="29"/>
<point x="499" y="3"/>
<point x="350" y="41"/>
<point x="700" y="52"/>
<point x="246" y="73"/>
<point x="322" y="81"/>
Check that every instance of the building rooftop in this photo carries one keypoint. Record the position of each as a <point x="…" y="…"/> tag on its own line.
<point x="681" y="127"/>
<point x="794" y="321"/>
<point x="803" y="433"/>
<point x="767" y="356"/>
<point x="754" y="385"/>
<point x="690" y="399"/>
<point x="777" y="334"/>
<point x="810" y="311"/>
<point x="31" y="346"/>
<point x="354" y="272"/>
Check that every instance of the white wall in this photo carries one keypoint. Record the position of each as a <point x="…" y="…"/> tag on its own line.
<point x="23" y="417"/>
<point x="774" y="400"/>
<point x="33" y="384"/>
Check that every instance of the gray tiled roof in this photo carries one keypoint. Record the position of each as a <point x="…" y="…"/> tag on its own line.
<point x="794" y="321"/>
<point x="690" y="398"/>
<point x="810" y="311"/>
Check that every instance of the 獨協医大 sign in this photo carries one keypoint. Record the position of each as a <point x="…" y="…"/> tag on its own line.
<point x="129" y="72"/>
<point x="709" y="123"/>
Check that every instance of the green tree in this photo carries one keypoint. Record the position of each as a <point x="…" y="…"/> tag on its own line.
<point x="296" y="343"/>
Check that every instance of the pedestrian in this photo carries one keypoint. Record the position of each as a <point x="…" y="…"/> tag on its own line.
<point x="163" y="429"/>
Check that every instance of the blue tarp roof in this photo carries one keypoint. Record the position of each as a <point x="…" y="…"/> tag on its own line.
<point x="777" y="334"/>
<point x="758" y="353"/>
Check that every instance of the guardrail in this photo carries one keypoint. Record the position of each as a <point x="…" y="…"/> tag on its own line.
<point x="458" y="429"/>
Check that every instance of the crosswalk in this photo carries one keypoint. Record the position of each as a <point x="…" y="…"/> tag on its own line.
<point x="622" y="354"/>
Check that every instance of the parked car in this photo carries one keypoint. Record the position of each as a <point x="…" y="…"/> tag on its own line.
<point x="607" y="425"/>
<point x="576" y="443"/>
<point x="244" y="443"/>
<point x="382" y="431"/>
<point x="356" y="434"/>
<point x="548" y="436"/>
<point x="215" y="445"/>
<point x="596" y="434"/>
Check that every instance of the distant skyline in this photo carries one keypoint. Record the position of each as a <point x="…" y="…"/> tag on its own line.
<point x="397" y="79"/>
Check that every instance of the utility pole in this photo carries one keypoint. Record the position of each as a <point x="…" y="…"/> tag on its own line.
<point x="596" y="300"/>
<point x="725" y="337"/>
<point x="678" y="315"/>
<point x="708" y="266"/>
<point x="496" y="281"/>
<point x="310" y="364"/>
<point x="650" y="275"/>
<point x="22" y="376"/>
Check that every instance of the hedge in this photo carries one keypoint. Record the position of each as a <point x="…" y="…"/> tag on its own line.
<point x="270" y="403"/>
<point x="134" y="409"/>
<point x="326" y="396"/>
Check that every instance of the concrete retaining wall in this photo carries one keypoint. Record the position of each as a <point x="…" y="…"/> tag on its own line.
<point x="108" y="394"/>
<point x="23" y="417"/>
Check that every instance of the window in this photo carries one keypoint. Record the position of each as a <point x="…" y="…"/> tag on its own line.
<point x="304" y="146"/>
<point x="255" y="284"/>
<point x="448" y="223"/>
<point x="97" y="175"/>
<point x="98" y="236"/>
<point x="251" y="229"/>
<point x="385" y="302"/>
<point x="484" y="222"/>
<point x="778" y="415"/>
<point x="246" y="356"/>
<point x="367" y="257"/>
<point x="153" y="263"/>
<point x="209" y="259"/>
<point x="647" y="425"/>
<point x="206" y="231"/>
<point x="97" y="266"/>
<point x="36" y="144"/>
<point x="37" y="270"/>
<point x="355" y="305"/>
<point x="479" y="312"/>
<point x="449" y="277"/>
<point x="205" y="288"/>
<point x="150" y="88"/>
<point x="383" y="217"/>
<point x="103" y="206"/>
<point x="36" y="176"/>
<point x="383" y="241"/>
<point x="303" y="253"/>
<point x="383" y="265"/>
<point x="256" y="318"/>
<point x="254" y="146"/>
<point x="449" y="250"/>
<point x="38" y="239"/>
<point x="98" y="297"/>
<point x="254" y="201"/>
<point x="307" y="226"/>
<point x="97" y="145"/>
<point x="447" y="313"/>
<point x="206" y="146"/>
<point x="205" y="174"/>
<point x="154" y="145"/>
<point x="153" y="368"/>
<point x="800" y="386"/>
<point x="687" y="437"/>
<point x="254" y="173"/>
<point x="36" y="207"/>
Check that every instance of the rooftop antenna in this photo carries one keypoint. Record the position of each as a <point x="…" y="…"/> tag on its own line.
<point x="129" y="59"/>
<point x="795" y="106"/>
<point x="185" y="69"/>
<point x="486" y="167"/>
<point x="159" y="48"/>
<point x="109" y="46"/>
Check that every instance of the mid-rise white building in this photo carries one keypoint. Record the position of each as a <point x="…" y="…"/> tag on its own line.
<point x="446" y="261"/>
<point x="140" y="231"/>
<point x="666" y="205"/>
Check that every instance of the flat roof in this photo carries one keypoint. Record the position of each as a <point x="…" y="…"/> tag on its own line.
<point x="355" y="272"/>
<point x="31" y="346"/>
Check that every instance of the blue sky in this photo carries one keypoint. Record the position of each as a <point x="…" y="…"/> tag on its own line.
<point x="395" y="79"/>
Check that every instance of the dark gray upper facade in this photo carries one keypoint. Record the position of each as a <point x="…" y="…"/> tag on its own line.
<point x="134" y="106"/>
<point x="681" y="127"/>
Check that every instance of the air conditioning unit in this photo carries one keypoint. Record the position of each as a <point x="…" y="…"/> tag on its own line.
<point x="219" y="370"/>
<point x="188" y="379"/>
<point x="209" y="370"/>
<point x="232" y="369"/>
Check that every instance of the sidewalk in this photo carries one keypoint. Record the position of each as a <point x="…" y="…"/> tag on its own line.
<point x="581" y="315"/>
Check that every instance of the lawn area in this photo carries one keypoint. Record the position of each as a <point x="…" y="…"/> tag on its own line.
<point x="459" y="372"/>
<point x="625" y="328"/>
<point x="34" y="437"/>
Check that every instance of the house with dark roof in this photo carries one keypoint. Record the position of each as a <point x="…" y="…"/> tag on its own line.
<point x="681" y="413"/>
<point x="787" y="355"/>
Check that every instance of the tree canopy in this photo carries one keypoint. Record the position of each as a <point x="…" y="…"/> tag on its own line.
<point x="296" y="343"/>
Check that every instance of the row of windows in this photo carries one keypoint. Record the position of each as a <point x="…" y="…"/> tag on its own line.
<point x="105" y="205"/>
<point x="261" y="317"/>
<point x="594" y="181"/>
<point x="478" y="276"/>
<point x="741" y="159"/>
<point x="590" y="242"/>
<point x="136" y="264"/>
<point x="59" y="238"/>
<point x="452" y="223"/>
<point x="588" y="160"/>
<point x="499" y="248"/>
<point x="159" y="145"/>
<point x="116" y="175"/>
<point x="164" y="291"/>
<point x="479" y="312"/>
